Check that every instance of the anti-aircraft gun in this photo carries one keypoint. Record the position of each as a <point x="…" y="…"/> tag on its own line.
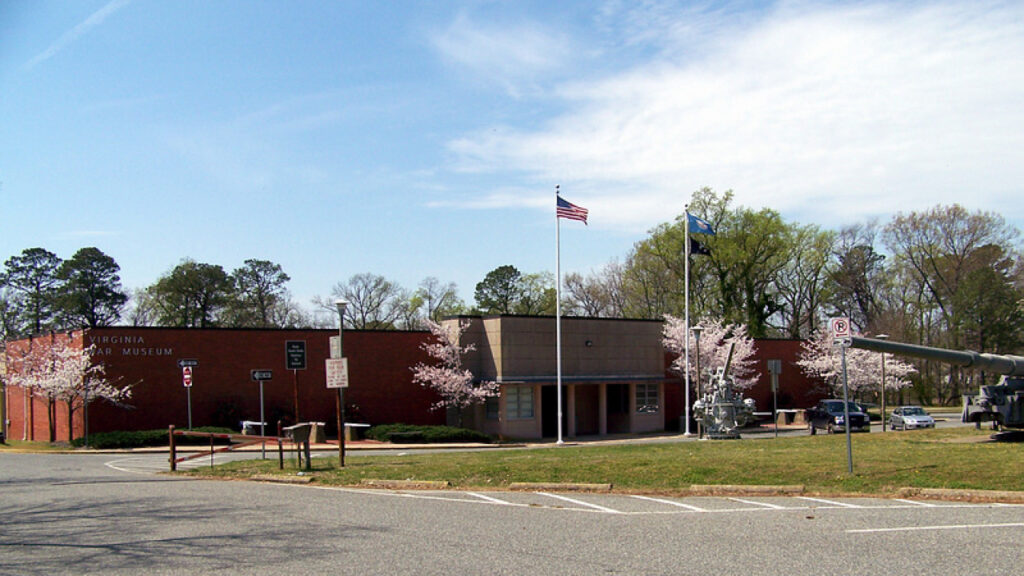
<point x="1002" y="404"/>
<point x="721" y="410"/>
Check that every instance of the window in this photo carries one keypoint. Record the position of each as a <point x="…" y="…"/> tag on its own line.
<point x="647" y="398"/>
<point x="519" y="402"/>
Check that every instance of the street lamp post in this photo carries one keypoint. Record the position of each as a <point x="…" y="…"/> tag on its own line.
<point x="696" y="340"/>
<point x="341" y="304"/>
<point x="883" y="337"/>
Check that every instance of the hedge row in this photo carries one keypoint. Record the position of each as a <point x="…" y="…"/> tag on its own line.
<point x="143" y="438"/>
<point x="409" y="434"/>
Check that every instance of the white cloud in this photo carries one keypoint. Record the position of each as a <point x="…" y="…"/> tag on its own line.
<point x="825" y="113"/>
<point x="69" y="37"/>
<point x="515" y="56"/>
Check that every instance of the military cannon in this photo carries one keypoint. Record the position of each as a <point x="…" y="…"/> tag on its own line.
<point x="721" y="410"/>
<point x="1002" y="404"/>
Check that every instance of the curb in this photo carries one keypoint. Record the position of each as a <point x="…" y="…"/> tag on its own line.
<point x="559" y="487"/>
<point x="282" y="479"/>
<point x="963" y="494"/>
<point x="722" y="489"/>
<point x="408" y="484"/>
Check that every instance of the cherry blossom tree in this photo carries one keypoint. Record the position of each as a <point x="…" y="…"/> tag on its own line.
<point x="447" y="377"/>
<point x="715" y="339"/>
<point x="60" y="372"/>
<point x="818" y="358"/>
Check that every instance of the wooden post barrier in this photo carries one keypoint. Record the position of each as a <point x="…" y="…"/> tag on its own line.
<point x="245" y="440"/>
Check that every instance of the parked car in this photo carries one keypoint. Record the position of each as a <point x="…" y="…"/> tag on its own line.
<point x="828" y="415"/>
<point x="910" y="417"/>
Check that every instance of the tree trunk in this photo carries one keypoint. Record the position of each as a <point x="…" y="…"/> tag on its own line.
<point x="71" y="421"/>
<point x="51" y="416"/>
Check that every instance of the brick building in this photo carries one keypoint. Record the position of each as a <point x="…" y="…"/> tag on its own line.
<point x="614" y="378"/>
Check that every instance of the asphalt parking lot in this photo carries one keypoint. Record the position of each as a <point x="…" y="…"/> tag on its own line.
<point x="104" y="513"/>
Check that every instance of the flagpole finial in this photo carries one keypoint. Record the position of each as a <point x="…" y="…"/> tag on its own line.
<point x="557" y="186"/>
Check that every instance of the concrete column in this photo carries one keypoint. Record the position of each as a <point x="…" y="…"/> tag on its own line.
<point x="602" y="409"/>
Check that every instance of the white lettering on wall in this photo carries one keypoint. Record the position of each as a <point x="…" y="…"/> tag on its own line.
<point x="138" y="347"/>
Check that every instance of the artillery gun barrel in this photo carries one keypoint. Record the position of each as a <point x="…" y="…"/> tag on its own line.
<point x="728" y="359"/>
<point x="1006" y="365"/>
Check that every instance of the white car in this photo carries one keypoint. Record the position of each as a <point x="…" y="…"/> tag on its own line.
<point x="910" y="417"/>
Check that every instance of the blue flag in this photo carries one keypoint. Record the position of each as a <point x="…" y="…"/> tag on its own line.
<point x="698" y="225"/>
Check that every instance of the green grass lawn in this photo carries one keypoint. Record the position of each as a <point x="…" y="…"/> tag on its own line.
<point x="882" y="464"/>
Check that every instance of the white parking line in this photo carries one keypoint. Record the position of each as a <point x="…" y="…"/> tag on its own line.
<point x="924" y="504"/>
<point x="489" y="499"/>
<point x="670" y="503"/>
<point x="829" y="502"/>
<point x="923" y="528"/>
<point x="579" y="502"/>
<point x="753" y="503"/>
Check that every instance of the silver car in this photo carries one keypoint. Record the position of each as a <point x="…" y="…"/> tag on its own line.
<point x="910" y="417"/>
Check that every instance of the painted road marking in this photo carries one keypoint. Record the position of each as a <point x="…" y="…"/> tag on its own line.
<point x="830" y="502"/>
<point x="671" y="503"/>
<point x="579" y="502"/>
<point x="753" y="503"/>
<point x="925" y="504"/>
<point x="490" y="499"/>
<point x="924" y="528"/>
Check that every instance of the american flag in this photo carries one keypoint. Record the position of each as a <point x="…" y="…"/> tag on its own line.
<point x="570" y="211"/>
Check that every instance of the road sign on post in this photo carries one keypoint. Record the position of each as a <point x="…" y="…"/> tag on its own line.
<point x="261" y="375"/>
<point x="186" y="365"/>
<point x="841" y="332"/>
<point x="337" y="372"/>
<point x="295" y="354"/>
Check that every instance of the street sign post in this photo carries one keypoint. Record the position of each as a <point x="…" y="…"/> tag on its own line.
<point x="842" y="338"/>
<point x="186" y="365"/>
<point x="295" y="360"/>
<point x="261" y="376"/>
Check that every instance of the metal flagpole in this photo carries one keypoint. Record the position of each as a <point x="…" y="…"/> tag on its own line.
<point x="686" y="315"/>
<point x="558" y="315"/>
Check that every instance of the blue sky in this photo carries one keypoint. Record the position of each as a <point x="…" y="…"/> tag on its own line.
<point x="415" y="139"/>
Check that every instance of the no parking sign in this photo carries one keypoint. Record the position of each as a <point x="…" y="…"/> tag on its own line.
<point x="841" y="332"/>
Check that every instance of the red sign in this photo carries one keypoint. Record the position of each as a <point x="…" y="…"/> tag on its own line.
<point x="186" y="376"/>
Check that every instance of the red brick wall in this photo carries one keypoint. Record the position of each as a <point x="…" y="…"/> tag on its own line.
<point x="381" y="388"/>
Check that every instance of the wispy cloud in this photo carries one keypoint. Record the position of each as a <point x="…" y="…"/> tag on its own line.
<point x="77" y="32"/>
<point x="820" y="111"/>
<point x="515" y="56"/>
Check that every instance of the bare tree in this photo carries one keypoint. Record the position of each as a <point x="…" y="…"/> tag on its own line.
<point x="374" y="302"/>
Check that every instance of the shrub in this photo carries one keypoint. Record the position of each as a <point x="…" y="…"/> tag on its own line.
<point x="142" y="438"/>
<point x="410" y="434"/>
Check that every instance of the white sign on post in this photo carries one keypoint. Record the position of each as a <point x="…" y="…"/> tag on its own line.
<point x="337" y="372"/>
<point x="841" y="331"/>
